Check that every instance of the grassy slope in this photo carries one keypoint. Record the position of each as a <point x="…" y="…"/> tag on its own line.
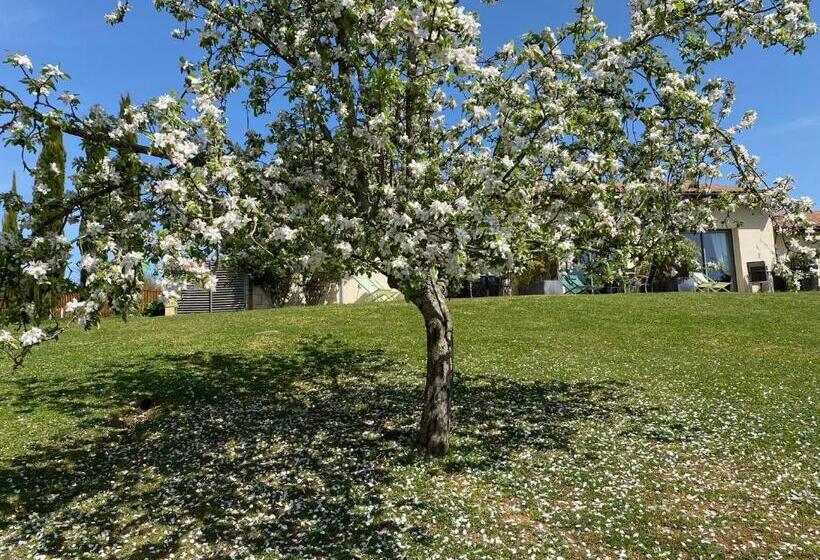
<point x="585" y="427"/>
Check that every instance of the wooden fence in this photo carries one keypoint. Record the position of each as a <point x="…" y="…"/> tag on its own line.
<point x="149" y="295"/>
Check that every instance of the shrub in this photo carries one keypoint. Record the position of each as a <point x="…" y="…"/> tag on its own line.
<point x="154" y="309"/>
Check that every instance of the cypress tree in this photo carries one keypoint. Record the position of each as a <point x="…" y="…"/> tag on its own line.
<point x="129" y="169"/>
<point x="94" y="155"/>
<point x="48" y="196"/>
<point x="9" y="214"/>
<point x="127" y="164"/>
<point x="49" y="183"/>
<point x="9" y="270"/>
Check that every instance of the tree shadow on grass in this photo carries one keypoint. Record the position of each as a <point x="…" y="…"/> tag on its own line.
<point x="284" y="454"/>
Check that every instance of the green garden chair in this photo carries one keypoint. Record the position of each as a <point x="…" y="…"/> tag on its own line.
<point x="577" y="282"/>
<point x="572" y="284"/>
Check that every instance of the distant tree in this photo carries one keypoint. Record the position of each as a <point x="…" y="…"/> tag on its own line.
<point x="49" y="183"/>
<point x="48" y="200"/>
<point x="126" y="163"/>
<point x="276" y="282"/>
<point x="10" y="225"/>
<point x="10" y="237"/>
<point x="94" y="156"/>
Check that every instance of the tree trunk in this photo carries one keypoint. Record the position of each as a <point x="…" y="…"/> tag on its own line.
<point x="434" y="431"/>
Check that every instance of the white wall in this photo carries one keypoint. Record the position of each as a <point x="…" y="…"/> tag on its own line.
<point x="352" y="292"/>
<point x="753" y="240"/>
<point x="345" y="291"/>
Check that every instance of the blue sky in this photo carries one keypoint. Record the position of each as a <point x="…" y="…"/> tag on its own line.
<point x="140" y="58"/>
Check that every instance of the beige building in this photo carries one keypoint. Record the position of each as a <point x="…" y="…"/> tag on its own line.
<point x="742" y="242"/>
<point x="749" y="235"/>
<point x="744" y="246"/>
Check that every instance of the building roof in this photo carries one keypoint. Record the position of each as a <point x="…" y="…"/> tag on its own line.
<point x="813" y="216"/>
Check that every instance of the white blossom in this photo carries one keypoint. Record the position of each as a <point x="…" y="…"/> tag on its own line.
<point x="31" y="337"/>
<point x="231" y="221"/>
<point x="6" y="338"/>
<point x="440" y="209"/>
<point x="284" y="233"/>
<point x="37" y="270"/>
<point x="74" y="306"/>
<point x="165" y="102"/>
<point x="21" y="61"/>
<point x="418" y="168"/>
<point x="118" y="14"/>
<point x="345" y="248"/>
<point x="167" y="186"/>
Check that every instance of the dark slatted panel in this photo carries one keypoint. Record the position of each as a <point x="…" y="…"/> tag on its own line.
<point x="230" y="291"/>
<point x="194" y="300"/>
<point x="229" y="295"/>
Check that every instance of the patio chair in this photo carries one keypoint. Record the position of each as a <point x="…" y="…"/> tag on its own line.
<point x="636" y="283"/>
<point x="576" y="282"/>
<point x="571" y="283"/>
<point x="590" y="285"/>
<point x="376" y="293"/>
<point x="705" y="284"/>
<point x="759" y="276"/>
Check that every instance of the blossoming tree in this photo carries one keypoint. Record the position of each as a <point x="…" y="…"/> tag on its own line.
<point x="391" y="144"/>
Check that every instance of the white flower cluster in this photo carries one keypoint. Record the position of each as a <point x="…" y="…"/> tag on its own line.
<point x="6" y="338"/>
<point x="21" y="61"/>
<point x="176" y="143"/>
<point x="165" y="102"/>
<point x="37" y="270"/>
<point x="31" y="337"/>
<point x="132" y="122"/>
<point x="118" y="14"/>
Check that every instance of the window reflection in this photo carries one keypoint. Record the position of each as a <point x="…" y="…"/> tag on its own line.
<point x="715" y="255"/>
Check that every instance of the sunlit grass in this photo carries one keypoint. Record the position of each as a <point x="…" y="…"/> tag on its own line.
<point x="585" y="427"/>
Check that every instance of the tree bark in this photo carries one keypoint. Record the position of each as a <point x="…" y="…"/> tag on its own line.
<point x="434" y="432"/>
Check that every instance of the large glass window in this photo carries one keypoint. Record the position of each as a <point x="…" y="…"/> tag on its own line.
<point x="715" y="255"/>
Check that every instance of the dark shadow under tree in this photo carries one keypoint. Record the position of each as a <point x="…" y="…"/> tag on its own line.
<point x="286" y="454"/>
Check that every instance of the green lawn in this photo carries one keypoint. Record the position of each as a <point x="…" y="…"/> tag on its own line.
<point x="637" y="426"/>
